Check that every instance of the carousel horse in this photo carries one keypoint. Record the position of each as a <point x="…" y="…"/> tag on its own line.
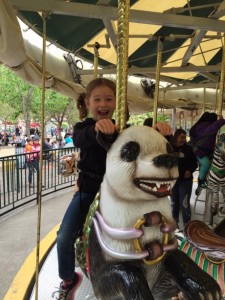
<point x="206" y="247"/>
<point x="216" y="175"/>
<point x="133" y="251"/>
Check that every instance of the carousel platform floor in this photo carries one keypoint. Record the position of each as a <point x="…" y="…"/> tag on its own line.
<point x="48" y="279"/>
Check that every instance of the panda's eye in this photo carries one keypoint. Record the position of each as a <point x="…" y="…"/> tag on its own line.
<point x="169" y="148"/>
<point x="130" y="151"/>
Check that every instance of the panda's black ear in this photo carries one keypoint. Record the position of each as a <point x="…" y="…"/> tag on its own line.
<point x="106" y="140"/>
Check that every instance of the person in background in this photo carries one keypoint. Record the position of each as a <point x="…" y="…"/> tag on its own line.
<point x="23" y="140"/>
<point x="204" y="132"/>
<point x="33" y="160"/>
<point x="17" y="131"/>
<point x="47" y="145"/>
<point x="100" y="101"/>
<point x="148" y="122"/>
<point x="32" y="131"/>
<point x="52" y="131"/>
<point x="187" y="165"/>
<point x="28" y="150"/>
<point x="70" y="132"/>
<point x="28" y="146"/>
<point x="68" y="141"/>
<point x="48" y="155"/>
<point x="165" y="129"/>
<point x="55" y="145"/>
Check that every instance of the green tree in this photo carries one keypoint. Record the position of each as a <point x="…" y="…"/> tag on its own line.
<point x="7" y="114"/>
<point x="59" y="108"/>
<point x="17" y="94"/>
<point x="26" y="100"/>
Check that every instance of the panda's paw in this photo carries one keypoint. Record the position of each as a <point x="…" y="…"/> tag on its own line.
<point x="179" y="296"/>
<point x="214" y="296"/>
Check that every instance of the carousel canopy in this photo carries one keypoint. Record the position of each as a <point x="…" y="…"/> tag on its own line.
<point x="191" y="31"/>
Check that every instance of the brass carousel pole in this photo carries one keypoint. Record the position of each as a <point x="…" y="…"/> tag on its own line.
<point x="122" y="63"/>
<point x="221" y="88"/>
<point x="203" y="109"/>
<point x="39" y="192"/>
<point x="157" y="80"/>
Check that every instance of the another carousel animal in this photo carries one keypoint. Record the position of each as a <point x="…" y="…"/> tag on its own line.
<point x="206" y="247"/>
<point x="69" y="163"/>
<point x="133" y="250"/>
<point x="216" y="175"/>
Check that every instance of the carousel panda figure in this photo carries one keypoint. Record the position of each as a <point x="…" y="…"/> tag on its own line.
<point x="133" y="250"/>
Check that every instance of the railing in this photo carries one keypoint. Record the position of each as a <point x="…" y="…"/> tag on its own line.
<point x="15" y="190"/>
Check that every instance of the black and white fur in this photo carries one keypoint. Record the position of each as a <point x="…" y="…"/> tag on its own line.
<point x="141" y="156"/>
<point x="216" y="174"/>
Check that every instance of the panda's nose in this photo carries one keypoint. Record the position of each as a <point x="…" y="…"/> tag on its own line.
<point x="165" y="160"/>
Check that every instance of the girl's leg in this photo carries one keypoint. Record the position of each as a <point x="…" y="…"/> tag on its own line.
<point x="72" y="221"/>
<point x="30" y="172"/>
<point x="204" y="163"/>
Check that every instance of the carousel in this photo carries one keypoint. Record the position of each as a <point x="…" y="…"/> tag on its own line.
<point x="162" y="57"/>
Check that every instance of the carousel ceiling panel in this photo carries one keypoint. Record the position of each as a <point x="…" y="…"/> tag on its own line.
<point x="192" y="32"/>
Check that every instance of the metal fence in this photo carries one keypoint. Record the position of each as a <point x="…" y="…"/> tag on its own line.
<point x="15" y="189"/>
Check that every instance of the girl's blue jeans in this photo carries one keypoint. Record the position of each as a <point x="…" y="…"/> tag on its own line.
<point x="72" y="222"/>
<point x="204" y="166"/>
<point x="180" y="200"/>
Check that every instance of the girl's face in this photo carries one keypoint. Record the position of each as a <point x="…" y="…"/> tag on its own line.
<point x="181" y="140"/>
<point x="102" y="103"/>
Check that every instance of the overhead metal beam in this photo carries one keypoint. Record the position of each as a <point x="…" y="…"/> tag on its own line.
<point x="195" y="41"/>
<point x="209" y="76"/>
<point x="220" y="11"/>
<point x="111" y="30"/>
<point x="134" y="70"/>
<point x="136" y="16"/>
<point x="200" y="34"/>
<point x="109" y="25"/>
<point x="190" y="87"/>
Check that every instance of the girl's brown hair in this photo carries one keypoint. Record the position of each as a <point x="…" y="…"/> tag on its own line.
<point x="81" y="106"/>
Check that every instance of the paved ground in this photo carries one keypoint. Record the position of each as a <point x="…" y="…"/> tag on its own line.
<point x="18" y="235"/>
<point x="7" y="150"/>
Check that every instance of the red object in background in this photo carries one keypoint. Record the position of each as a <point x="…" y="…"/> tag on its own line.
<point x="8" y="123"/>
<point x="34" y="124"/>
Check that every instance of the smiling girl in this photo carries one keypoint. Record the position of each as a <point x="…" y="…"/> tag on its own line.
<point x="99" y="101"/>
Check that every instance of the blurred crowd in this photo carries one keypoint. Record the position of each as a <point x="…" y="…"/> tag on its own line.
<point x="18" y="137"/>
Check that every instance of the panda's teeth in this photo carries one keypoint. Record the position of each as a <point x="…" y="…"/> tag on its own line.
<point x="145" y="186"/>
<point x="155" y="185"/>
<point x="158" y="184"/>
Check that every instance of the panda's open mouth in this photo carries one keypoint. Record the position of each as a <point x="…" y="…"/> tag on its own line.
<point x="159" y="188"/>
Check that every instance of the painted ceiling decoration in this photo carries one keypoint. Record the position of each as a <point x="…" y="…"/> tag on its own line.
<point x="192" y="32"/>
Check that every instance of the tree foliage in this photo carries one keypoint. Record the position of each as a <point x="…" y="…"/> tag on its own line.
<point x="26" y="102"/>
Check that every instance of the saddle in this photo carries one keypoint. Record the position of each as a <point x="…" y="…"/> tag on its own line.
<point x="201" y="236"/>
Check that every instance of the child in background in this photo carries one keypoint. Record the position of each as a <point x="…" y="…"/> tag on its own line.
<point x="32" y="149"/>
<point x="99" y="101"/>
<point x="204" y="132"/>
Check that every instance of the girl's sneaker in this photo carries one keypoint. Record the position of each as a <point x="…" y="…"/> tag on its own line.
<point x="201" y="185"/>
<point x="67" y="291"/>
